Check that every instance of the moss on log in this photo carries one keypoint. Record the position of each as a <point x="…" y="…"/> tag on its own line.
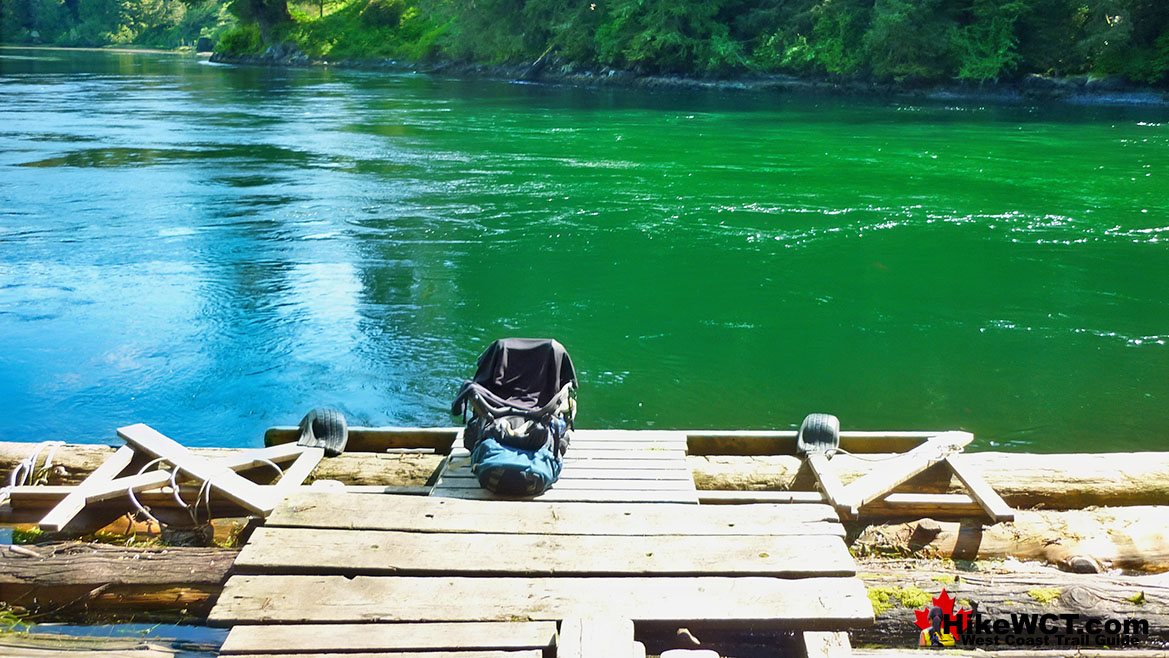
<point x="999" y="591"/>
<point x="87" y="582"/>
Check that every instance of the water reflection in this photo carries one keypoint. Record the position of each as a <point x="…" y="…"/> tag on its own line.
<point x="213" y="250"/>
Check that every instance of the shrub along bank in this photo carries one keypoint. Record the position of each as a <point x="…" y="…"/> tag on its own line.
<point x="900" y="41"/>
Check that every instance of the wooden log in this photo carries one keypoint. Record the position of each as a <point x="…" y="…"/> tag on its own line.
<point x="999" y="592"/>
<point x="1066" y="481"/>
<point x="157" y="584"/>
<point x="1075" y="540"/>
<point x="73" y="463"/>
<point x="75" y="580"/>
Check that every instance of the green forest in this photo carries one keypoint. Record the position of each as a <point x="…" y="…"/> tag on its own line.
<point x="905" y="41"/>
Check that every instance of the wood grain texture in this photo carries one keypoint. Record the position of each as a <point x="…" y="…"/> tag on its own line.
<point x="336" y="638"/>
<point x="244" y="492"/>
<point x="598" y="495"/>
<point x="767" y="603"/>
<point x="369" y="552"/>
<point x="423" y="514"/>
<point x="595" y="636"/>
<point x="525" y="653"/>
<point x="992" y="503"/>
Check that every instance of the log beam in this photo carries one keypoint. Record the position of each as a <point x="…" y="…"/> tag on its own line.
<point x="81" y="581"/>
<point x="999" y="591"/>
<point x="73" y="463"/>
<point x="1074" y="540"/>
<point x="1066" y="481"/>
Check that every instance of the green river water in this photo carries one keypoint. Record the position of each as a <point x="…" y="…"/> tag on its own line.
<point x="213" y="250"/>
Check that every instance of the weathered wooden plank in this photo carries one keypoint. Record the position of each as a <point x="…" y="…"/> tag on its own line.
<point x="577" y="464"/>
<point x="595" y="451"/>
<point x="378" y="439"/>
<point x="893" y="472"/>
<point x="766" y="442"/>
<point x="595" y="636"/>
<point x="765" y="603"/>
<point x="460" y="481"/>
<point x="592" y="472"/>
<point x="245" y="492"/>
<point x="347" y="638"/>
<point x="374" y="552"/>
<point x="555" y="495"/>
<point x="421" y="514"/>
<point x="300" y="469"/>
<point x="937" y="505"/>
<point x="992" y="503"/>
<point x="826" y="644"/>
<point x="712" y="497"/>
<point x="45" y="645"/>
<point x="74" y="502"/>
<point x="638" y="458"/>
<point x="523" y="653"/>
<point x="701" y="442"/>
<point x="828" y="480"/>
<point x="43" y="497"/>
<point x="628" y="435"/>
<point x="38" y="499"/>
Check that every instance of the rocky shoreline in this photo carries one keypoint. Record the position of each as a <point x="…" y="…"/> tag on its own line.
<point x="1078" y="90"/>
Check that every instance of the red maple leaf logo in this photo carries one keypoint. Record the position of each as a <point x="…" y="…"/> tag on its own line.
<point x="946" y="603"/>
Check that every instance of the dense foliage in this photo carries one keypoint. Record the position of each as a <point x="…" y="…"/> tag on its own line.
<point x="899" y="40"/>
<point x="156" y="23"/>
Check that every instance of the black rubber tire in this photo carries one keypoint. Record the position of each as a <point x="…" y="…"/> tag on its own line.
<point x="819" y="433"/>
<point x="324" y="428"/>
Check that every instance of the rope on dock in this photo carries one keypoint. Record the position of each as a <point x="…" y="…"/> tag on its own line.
<point x="26" y="471"/>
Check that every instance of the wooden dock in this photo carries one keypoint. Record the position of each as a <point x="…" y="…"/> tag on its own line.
<point x="600" y="466"/>
<point x="618" y="545"/>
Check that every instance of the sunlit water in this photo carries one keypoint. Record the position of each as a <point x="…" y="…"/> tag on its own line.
<point x="214" y="250"/>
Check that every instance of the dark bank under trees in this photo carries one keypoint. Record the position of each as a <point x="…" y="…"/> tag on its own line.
<point x="905" y="41"/>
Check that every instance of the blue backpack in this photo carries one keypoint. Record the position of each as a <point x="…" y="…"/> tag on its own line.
<point x="504" y="466"/>
<point x="522" y="405"/>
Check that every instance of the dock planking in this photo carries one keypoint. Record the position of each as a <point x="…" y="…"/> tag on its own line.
<point x="428" y="514"/>
<point x="751" y="601"/>
<point x="462" y="636"/>
<point x="526" y="653"/>
<point x="600" y="466"/>
<point x="313" y="550"/>
<point x="328" y="568"/>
